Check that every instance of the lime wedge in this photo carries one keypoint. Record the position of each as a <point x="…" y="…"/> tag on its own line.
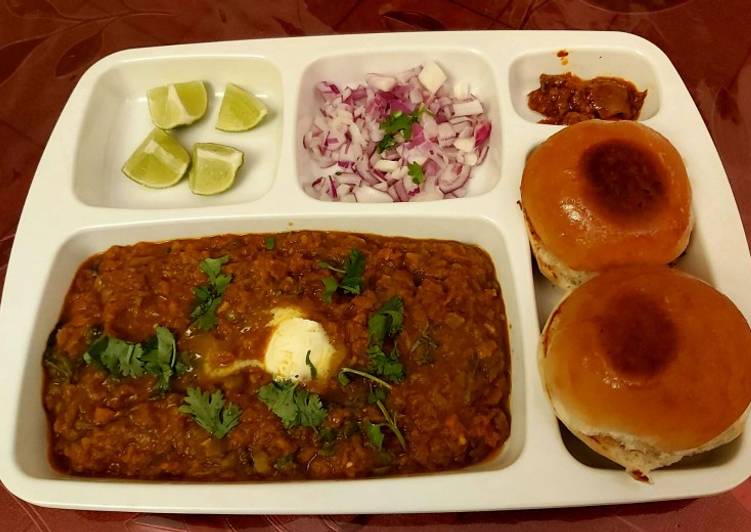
<point x="177" y="104"/>
<point x="240" y="110"/>
<point x="159" y="162"/>
<point x="214" y="168"/>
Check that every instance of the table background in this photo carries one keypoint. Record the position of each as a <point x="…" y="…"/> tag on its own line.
<point x="46" y="45"/>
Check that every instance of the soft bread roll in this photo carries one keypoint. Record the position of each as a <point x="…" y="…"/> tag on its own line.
<point x="647" y="365"/>
<point x="601" y="194"/>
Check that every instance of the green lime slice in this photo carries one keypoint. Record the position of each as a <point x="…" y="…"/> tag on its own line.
<point x="177" y="104"/>
<point x="240" y="110"/>
<point x="214" y="168"/>
<point x="159" y="162"/>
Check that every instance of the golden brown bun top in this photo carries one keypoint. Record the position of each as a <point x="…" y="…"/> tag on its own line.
<point x="649" y="352"/>
<point x="602" y="194"/>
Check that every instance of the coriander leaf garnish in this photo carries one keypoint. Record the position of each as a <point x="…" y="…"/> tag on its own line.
<point x="386" y="143"/>
<point x="415" y="170"/>
<point x="330" y="286"/>
<point x="313" y="370"/>
<point x="398" y="122"/>
<point x="161" y="358"/>
<point x="209" y="296"/>
<point x="327" y="441"/>
<point x="269" y="243"/>
<point x="292" y="405"/>
<point x="344" y="380"/>
<point x="386" y="322"/>
<point x="352" y="271"/>
<point x="157" y="357"/>
<point x="374" y="434"/>
<point x="397" y="127"/>
<point x="213" y="267"/>
<point x="377" y="393"/>
<point x="387" y="366"/>
<point x="210" y="412"/>
<point x="118" y="357"/>
<point x="354" y="268"/>
<point x="391" y="423"/>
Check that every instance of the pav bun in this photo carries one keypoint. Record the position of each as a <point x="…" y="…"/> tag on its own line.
<point x="647" y="365"/>
<point x="601" y="194"/>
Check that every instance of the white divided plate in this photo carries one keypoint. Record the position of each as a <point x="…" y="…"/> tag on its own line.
<point x="80" y="204"/>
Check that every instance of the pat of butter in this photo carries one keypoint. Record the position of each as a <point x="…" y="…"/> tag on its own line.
<point x="293" y="337"/>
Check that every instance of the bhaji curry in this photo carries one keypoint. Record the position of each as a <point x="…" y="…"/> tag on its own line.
<point x="296" y="355"/>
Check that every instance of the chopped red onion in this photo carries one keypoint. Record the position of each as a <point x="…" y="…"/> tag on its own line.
<point x="447" y="142"/>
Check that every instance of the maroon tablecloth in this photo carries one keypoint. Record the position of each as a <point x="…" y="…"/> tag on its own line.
<point x="46" y="45"/>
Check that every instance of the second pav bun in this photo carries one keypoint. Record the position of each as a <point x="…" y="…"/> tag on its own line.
<point x="647" y="365"/>
<point x="601" y="194"/>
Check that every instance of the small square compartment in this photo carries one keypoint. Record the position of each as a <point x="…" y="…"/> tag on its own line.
<point x="117" y="120"/>
<point x="350" y="70"/>
<point x="587" y="63"/>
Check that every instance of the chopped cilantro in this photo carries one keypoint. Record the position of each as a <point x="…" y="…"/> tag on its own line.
<point x="387" y="366"/>
<point x="313" y="370"/>
<point x="210" y="412"/>
<point x="293" y="406"/>
<point x="161" y="357"/>
<point x="386" y="322"/>
<point x="342" y="376"/>
<point x="344" y="380"/>
<point x="118" y="357"/>
<point x="183" y="363"/>
<point x="397" y="127"/>
<point x="391" y="423"/>
<point x="209" y="296"/>
<point x="354" y="268"/>
<point x="329" y="287"/>
<point x="352" y="271"/>
<point x="377" y="393"/>
<point x="386" y="143"/>
<point x="157" y="357"/>
<point x="326" y="440"/>
<point x="374" y="434"/>
<point x="269" y="243"/>
<point x="398" y="122"/>
<point x="415" y="170"/>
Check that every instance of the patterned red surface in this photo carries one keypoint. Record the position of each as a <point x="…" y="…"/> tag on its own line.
<point x="45" y="46"/>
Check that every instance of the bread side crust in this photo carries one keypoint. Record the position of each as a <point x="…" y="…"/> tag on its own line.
<point x="551" y="266"/>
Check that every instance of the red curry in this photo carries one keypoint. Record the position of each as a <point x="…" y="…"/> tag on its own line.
<point x="451" y="406"/>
